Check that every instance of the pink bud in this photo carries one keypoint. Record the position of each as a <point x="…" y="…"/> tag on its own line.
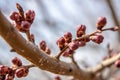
<point x="47" y="50"/>
<point x="9" y="77"/>
<point x="98" y="38"/>
<point x="43" y="45"/>
<point x="101" y="22"/>
<point x="15" y="16"/>
<point x="67" y="52"/>
<point x="68" y="37"/>
<point x="4" y="70"/>
<point x="21" y="72"/>
<point x="61" y="43"/>
<point x="82" y="43"/>
<point x="30" y="15"/>
<point x="16" y="61"/>
<point x="74" y="45"/>
<point x="32" y="38"/>
<point x="25" y="25"/>
<point x="80" y="30"/>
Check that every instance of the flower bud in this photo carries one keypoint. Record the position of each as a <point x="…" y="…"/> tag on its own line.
<point x="32" y="38"/>
<point x="47" y="50"/>
<point x="21" y="72"/>
<point x="82" y="43"/>
<point x="101" y="22"/>
<point x="4" y="70"/>
<point x="117" y="63"/>
<point x="9" y="77"/>
<point x="61" y="43"/>
<point x="25" y="25"/>
<point x="74" y="45"/>
<point x="15" y="16"/>
<point x="16" y="61"/>
<point x="80" y="30"/>
<point x="2" y="77"/>
<point x="68" y="37"/>
<point x="67" y="52"/>
<point x="30" y="15"/>
<point x="43" y="45"/>
<point x="98" y="38"/>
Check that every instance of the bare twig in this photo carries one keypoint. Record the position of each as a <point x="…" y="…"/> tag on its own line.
<point x="114" y="16"/>
<point x="73" y="60"/>
<point x="104" y="64"/>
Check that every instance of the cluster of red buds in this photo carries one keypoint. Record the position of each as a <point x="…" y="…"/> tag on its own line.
<point x="43" y="46"/>
<point x="8" y="73"/>
<point x="68" y="46"/>
<point x="22" y="21"/>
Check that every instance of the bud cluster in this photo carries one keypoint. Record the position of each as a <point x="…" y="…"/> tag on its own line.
<point x="43" y="46"/>
<point x="8" y="73"/>
<point x="63" y="41"/>
<point x="80" y="40"/>
<point x="22" y="21"/>
<point x="68" y="46"/>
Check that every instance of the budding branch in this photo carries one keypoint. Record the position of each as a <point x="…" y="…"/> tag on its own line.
<point x="32" y="53"/>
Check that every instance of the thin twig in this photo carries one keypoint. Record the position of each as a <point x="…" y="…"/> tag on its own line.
<point x="104" y="64"/>
<point x="60" y="53"/>
<point x="73" y="60"/>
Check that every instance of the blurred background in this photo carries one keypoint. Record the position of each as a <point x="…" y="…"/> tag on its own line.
<point x="54" y="18"/>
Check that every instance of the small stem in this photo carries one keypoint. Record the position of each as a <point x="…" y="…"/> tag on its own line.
<point x="60" y="53"/>
<point x="28" y="35"/>
<point x="30" y="65"/>
<point x="106" y="29"/>
<point x="73" y="60"/>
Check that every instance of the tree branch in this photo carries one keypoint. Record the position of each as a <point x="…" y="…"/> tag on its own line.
<point x="32" y="53"/>
<point x="104" y="64"/>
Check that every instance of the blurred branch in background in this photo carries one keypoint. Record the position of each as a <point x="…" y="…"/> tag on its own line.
<point x="114" y="16"/>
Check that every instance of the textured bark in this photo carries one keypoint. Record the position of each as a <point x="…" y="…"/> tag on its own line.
<point x="32" y="53"/>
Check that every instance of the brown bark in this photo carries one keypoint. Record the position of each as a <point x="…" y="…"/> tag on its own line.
<point x="32" y="53"/>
